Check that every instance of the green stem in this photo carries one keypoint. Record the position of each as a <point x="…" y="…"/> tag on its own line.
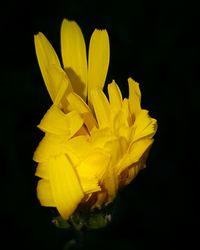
<point x="77" y="227"/>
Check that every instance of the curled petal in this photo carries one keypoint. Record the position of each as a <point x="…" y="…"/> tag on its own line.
<point x="144" y="126"/>
<point x="81" y="107"/>
<point x="59" y="78"/>
<point x="58" y="123"/>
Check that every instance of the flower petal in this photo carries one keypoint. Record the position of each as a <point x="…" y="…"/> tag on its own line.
<point x="101" y="107"/>
<point x="101" y="198"/>
<point x="144" y="126"/>
<point x="78" y="146"/>
<point x="100" y="137"/>
<point x="80" y="106"/>
<point x="129" y="174"/>
<point x="132" y="172"/>
<point x="66" y="188"/>
<point x="126" y="113"/>
<point x="59" y="123"/>
<point x="73" y="51"/>
<point x="134" y="97"/>
<point x="46" y="56"/>
<point x="98" y="59"/>
<point x="138" y="148"/>
<point x="134" y="154"/>
<point x="110" y="182"/>
<point x="42" y="170"/>
<point x="59" y="78"/>
<point x="91" y="171"/>
<point x="44" y="193"/>
<point x="50" y="145"/>
<point x="122" y="118"/>
<point x="115" y="97"/>
<point x="116" y="148"/>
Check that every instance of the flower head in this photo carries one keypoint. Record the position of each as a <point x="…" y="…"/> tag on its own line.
<point x="93" y="144"/>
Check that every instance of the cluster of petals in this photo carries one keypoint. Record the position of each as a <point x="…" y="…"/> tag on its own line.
<point x="93" y="144"/>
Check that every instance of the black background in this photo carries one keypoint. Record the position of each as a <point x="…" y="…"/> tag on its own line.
<point x="155" y="42"/>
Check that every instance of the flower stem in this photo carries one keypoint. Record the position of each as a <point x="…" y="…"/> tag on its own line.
<point x="77" y="242"/>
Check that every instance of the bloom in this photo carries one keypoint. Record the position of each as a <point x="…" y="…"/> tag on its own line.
<point x="93" y="145"/>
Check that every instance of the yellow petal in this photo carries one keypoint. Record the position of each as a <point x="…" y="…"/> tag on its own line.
<point x="42" y="170"/>
<point x="98" y="59"/>
<point x="125" y="132"/>
<point x="91" y="171"/>
<point x="138" y="148"/>
<point x="144" y="126"/>
<point x="101" y="198"/>
<point x="101" y="107"/>
<point x="49" y="146"/>
<point x="78" y="146"/>
<point x="134" y="154"/>
<point x="110" y="182"/>
<point x="116" y="148"/>
<point x="115" y="97"/>
<point x="89" y="185"/>
<point x="80" y="106"/>
<point x="73" y="51"/>
<point x="132" y="173"/>
<point x="101" y="136"/>
<point x="134" y="97"/>
<point x="129" y="174"/>
<point x="125" y="112"/>
<point x="44" y="193"/>
<point x="122" y="118"/>
<point x="66" y="189"/>
<point x="59" y="78"/>
<point x="77" y="103"/>
<point x="46" y="56"/>
<point x="59" y="123"/>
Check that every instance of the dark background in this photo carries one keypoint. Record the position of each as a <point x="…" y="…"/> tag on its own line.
<point x="156" y="43"/>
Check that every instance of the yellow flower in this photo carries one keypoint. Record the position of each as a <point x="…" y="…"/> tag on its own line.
<point x="93" y="145"/>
